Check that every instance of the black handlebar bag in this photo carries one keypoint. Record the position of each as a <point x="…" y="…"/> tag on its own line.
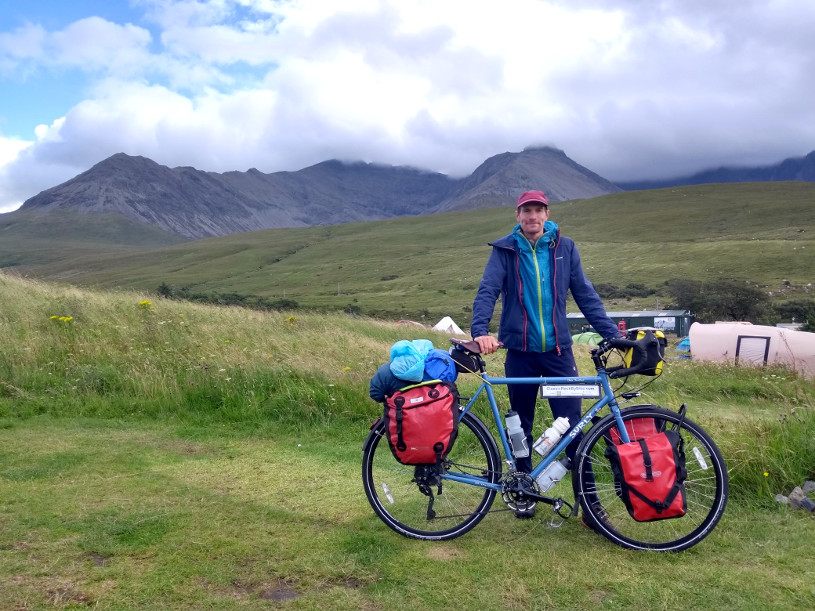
<point x="652" y="361"/>
<point x="649" y="474"/>
<point x="421" y="422"/>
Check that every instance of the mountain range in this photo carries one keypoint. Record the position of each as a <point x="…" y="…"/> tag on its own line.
<point x="794" y="168"/>
<point x="197" y="204"/>
<point x="190" y="204"/>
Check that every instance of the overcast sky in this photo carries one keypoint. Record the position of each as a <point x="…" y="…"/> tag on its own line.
<point x="630" y="89"/>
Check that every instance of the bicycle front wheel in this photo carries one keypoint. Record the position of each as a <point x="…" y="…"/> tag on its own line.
<point x="705" y="486"/>
<point x="416" y="501"/>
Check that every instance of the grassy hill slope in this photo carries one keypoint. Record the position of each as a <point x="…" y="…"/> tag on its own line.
<point x="431" y="265"/>
<point x="32" y="239"/>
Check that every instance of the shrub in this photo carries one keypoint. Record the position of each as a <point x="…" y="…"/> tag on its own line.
<point x="798" y="310"/>
<point x="721" y="300"/>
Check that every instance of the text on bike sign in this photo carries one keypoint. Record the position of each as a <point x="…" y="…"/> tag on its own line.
<point x="586" y="391"/>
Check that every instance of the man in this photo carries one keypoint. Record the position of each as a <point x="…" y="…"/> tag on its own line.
<point x="532" y="269"/>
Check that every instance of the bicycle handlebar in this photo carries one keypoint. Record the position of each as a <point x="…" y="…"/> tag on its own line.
<point x="640" y="346"/>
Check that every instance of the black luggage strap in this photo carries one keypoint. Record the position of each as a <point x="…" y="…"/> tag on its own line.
<point x="400" y="441"/>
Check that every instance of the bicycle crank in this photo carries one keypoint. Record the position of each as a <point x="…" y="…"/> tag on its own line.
<point x="517" y="490"/>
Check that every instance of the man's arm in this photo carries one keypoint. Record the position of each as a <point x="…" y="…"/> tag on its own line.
<point x="587" y="299"/>
<point x="484" y="304"/>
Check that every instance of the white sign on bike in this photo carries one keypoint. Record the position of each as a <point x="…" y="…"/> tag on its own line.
<point x="585" y="391"/>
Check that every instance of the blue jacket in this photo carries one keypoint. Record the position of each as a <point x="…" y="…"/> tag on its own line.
<point x="530" y="317"/>
<point x="384" y="383"/>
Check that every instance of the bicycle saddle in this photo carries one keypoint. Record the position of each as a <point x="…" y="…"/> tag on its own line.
<point x="468" y="345"/>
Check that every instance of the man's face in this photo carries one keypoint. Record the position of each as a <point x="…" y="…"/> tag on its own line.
<point x="532" y="216"/>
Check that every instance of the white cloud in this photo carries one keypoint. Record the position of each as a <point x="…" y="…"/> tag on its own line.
<point x="94" y="43"/>
<point x="631" y="90"/>
<point x="91" y="44"/>
<point x="10" y="150"/>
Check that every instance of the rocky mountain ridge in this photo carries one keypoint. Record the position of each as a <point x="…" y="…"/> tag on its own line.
<point x="197" y="204"/>
<point x="191" y="204"/>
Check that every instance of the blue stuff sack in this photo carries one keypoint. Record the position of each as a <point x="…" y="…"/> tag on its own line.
<point x="439" y="365"/>
<point x="407" y="359"/>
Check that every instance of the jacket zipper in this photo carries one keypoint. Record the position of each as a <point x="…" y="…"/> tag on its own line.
<point x="540" y="292"/>
<point x="521" y="295"/>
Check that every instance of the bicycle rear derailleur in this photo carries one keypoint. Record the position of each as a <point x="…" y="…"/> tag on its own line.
<point x="426" y="477"/>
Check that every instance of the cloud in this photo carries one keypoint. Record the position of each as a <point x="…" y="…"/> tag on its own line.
<point x="91" y="44"/>
<point x="631" y="90"/>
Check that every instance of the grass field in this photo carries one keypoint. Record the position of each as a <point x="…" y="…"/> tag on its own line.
<point x="428" y="267"/>
<point x="160" y="454"/>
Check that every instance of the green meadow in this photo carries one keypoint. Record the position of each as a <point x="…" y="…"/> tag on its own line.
<point x="423" y="268"/>
<point x="162" y="454"/>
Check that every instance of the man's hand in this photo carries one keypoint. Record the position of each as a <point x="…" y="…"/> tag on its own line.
<point x="487" y="343"/>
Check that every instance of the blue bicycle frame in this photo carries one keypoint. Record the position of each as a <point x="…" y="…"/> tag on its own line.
<point x="607" y="398"/>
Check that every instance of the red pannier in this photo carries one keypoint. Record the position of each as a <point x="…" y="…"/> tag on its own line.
<point x="421" y="422"/>
<point x="637" y="428"/>
<point x="650" y="473"/>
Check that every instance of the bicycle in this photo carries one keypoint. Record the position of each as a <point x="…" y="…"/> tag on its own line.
<point x="441" y="502"/>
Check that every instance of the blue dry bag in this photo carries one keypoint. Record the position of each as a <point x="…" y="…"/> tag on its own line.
<point x="407" y="359"/>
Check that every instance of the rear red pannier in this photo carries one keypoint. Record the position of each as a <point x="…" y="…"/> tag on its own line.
<point x="422" y="422"/>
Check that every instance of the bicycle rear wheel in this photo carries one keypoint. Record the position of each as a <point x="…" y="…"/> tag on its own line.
<point x="705" y="486"/>
<point x="415" y="501"/>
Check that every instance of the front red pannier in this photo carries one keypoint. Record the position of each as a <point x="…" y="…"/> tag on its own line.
<point x="637" y="428"/>
<point x="650" y="474"/>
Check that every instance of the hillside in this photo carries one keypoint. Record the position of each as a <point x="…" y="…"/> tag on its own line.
<point x="27" y="238"/>
<point x="194" y="204"/>
<point x="430" y="266"/>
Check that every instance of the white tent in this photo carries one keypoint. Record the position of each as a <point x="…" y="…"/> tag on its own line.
<point x="447" y="325"/>
<point x="740" y="344"/>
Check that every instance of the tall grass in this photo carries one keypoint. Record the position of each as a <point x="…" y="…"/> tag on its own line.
<point x="70" y="352"/>
<point x="126" y="354"/>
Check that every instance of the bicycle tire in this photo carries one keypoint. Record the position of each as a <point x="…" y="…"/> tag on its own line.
<point x="396" y="497"/>
<point x="706" y="487"/>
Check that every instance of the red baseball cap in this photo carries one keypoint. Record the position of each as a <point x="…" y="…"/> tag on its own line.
<point x="532" y="196"/>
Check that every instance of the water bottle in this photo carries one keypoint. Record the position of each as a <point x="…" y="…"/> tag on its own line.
<point x="517" y="437"/>
<point x="552" y="474"/>
<point x="551" y="436"/>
